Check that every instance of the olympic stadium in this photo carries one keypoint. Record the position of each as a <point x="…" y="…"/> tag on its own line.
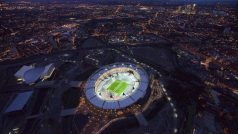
<point x="116" y="86"/>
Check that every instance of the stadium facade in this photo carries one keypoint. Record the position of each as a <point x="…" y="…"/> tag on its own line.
<point x="116" y="86"/>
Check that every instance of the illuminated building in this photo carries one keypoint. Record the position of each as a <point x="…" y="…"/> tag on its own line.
<point x="116" y="86"/>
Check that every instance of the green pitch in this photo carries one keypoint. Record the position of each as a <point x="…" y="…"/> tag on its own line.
<point x="118" y="87"/>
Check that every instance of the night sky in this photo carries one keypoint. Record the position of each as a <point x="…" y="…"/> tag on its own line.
<point x="232" y="3"/>
<point x="197" y="1"/>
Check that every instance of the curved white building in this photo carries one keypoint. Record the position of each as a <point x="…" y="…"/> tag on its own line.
<point x="116" y="86"/>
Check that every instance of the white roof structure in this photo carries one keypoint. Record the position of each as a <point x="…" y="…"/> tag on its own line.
<point x="22" y="70"/>
<point x="30" y="74"/>
<point x="101" y="90"/>
<point x="105" y="81"/>
<point x="48" y="70"/>
<point x="19" y="102"/>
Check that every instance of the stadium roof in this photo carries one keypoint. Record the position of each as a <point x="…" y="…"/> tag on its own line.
<point x="19" y="102"/>
<point x="113" y="87"/>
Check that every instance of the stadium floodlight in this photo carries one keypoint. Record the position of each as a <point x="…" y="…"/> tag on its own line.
<point x="175" y="130"/>
<point x="172" y="104"/>
<point x="175" y="115"/>
<point x="169" y="98"/>
<point x="174" y="109"/>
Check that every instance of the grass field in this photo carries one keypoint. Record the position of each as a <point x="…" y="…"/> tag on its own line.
<point x="118" y="87"/>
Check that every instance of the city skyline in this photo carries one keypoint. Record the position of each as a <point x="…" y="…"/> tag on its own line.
<point x="72" y="67"/>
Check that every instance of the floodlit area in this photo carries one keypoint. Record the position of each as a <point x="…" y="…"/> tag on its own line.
<point x="116" y="86"/>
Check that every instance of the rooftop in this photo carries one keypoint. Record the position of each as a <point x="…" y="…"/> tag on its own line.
<point x="19" y="102"/>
